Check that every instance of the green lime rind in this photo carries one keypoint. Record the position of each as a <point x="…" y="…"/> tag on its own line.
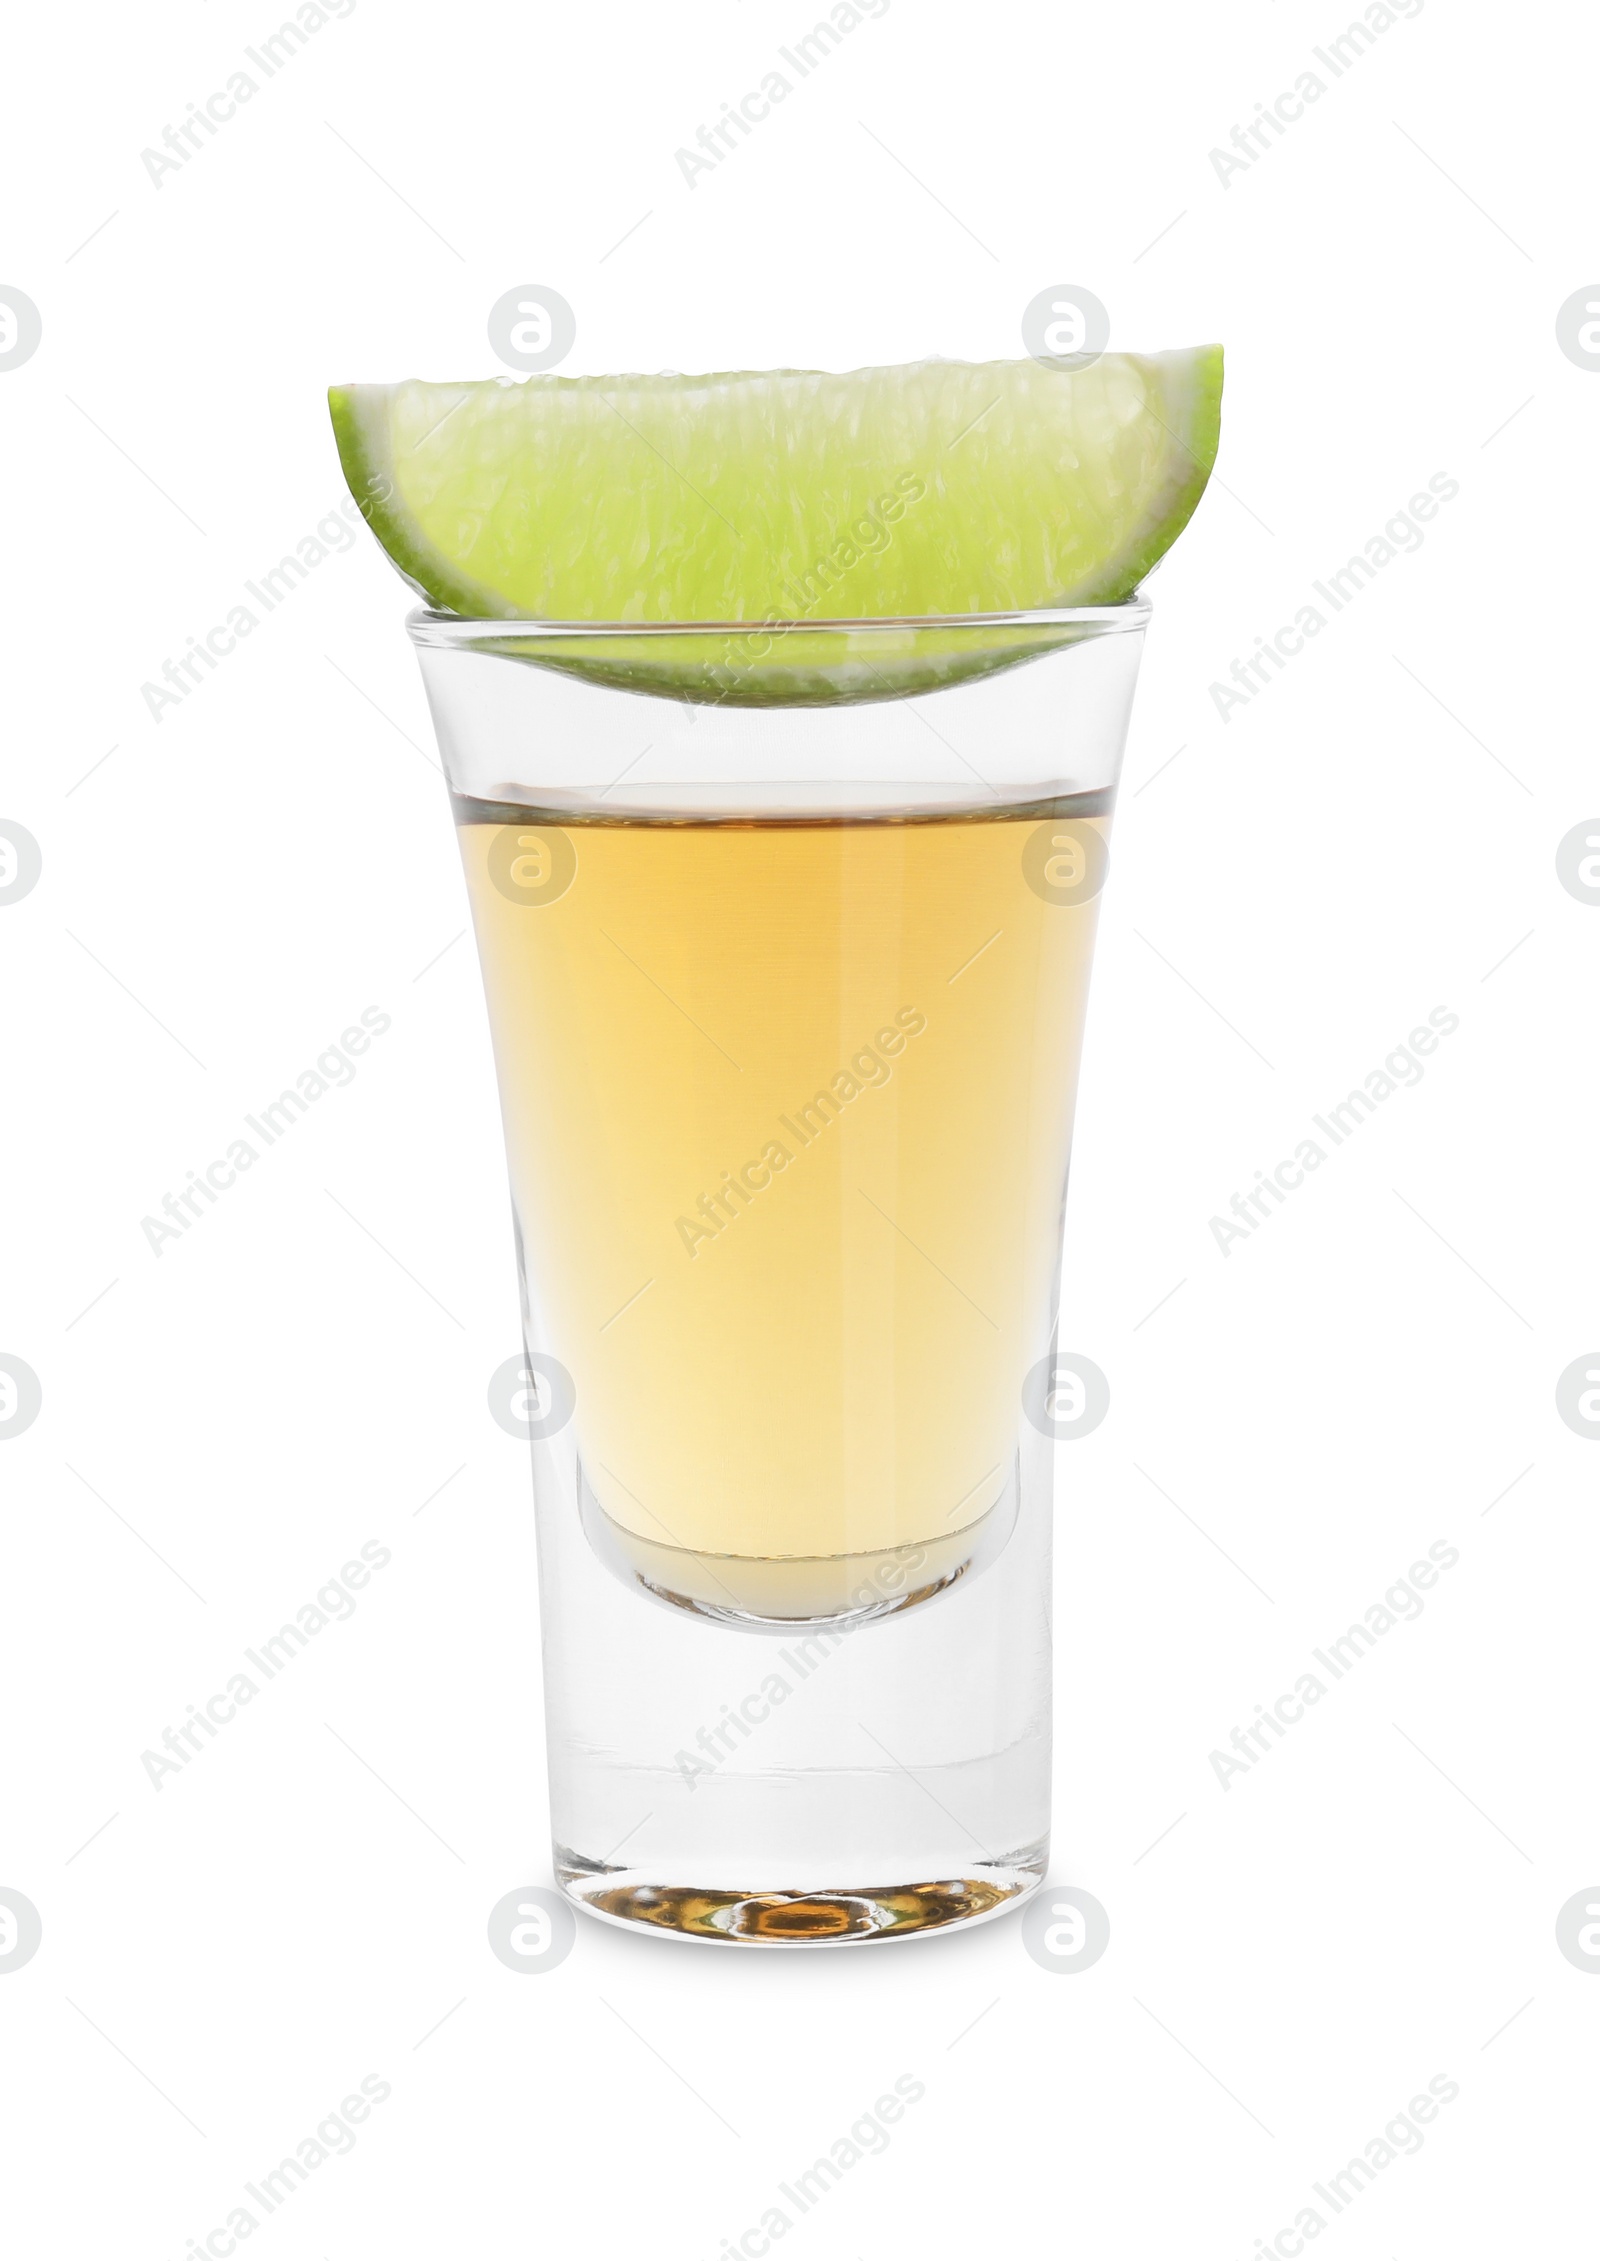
<point x="802" y="667"/>
<point x="366" y="459"/>
<point x="1193" y="459"/>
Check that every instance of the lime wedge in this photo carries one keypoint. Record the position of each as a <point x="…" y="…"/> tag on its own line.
<point x="940" y="488"/>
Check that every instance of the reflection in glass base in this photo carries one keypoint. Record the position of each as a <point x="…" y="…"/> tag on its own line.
<point x="774" y="1594"/>
<point x="845" y="1917"/>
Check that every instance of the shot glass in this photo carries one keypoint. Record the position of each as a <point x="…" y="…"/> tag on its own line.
<point x="785" y="933"/>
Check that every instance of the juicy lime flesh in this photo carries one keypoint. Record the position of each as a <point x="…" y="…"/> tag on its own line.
<point x="920" y="492"/>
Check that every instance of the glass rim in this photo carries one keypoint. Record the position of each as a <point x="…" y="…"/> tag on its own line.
<point x="442" y="630"/>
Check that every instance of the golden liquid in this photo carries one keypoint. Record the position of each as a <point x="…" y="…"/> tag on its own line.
<point x="787" y="1109"/>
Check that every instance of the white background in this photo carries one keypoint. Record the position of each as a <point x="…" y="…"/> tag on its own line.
<point x="1295" y="888"/>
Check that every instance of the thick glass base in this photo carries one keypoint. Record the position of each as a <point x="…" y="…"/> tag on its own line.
<point x="844" y="1917"/>
<point x="743" y="1779"/>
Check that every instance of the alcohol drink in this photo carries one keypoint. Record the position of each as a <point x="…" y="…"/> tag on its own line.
<point x="787" y="1107"/>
